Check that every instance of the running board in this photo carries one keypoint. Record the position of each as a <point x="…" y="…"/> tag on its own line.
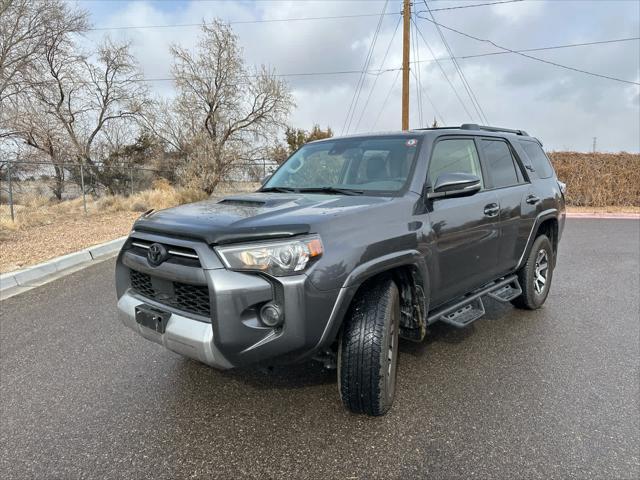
<point x="507" y="292"/>
<point x="470" y="308"/>
<point x="465" y="315"/>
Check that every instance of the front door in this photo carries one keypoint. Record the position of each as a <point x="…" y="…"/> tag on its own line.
<point x="465" y="230"/>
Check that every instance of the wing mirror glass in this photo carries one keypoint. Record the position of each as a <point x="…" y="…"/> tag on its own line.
<point x="455" y="185"/>
<point x="265" y="179"/>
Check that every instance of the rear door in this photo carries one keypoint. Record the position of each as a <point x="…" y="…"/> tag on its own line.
<point x="465" y="229"/>
<point x="507" y="178"/>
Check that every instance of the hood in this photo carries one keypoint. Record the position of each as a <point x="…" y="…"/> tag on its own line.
<point x="252" y="216"/>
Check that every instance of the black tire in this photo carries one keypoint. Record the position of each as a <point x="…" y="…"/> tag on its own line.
<point x="533" y="296"/>
<point x="368" y="349"/>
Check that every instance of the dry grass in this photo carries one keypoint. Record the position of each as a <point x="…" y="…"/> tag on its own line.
<point x="35" y="210"/>
<point x="45" y="229"/>
<point x="599" y="179"/>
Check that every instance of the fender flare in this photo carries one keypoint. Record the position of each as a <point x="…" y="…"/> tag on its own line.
<point x="361" y="274"/>
<point x="551" y="213"/>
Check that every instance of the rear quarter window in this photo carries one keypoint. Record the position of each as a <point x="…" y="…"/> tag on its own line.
<point x="539" y="160"/>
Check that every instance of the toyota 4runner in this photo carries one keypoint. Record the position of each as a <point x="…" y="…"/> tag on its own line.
<point x="352" y="243"/>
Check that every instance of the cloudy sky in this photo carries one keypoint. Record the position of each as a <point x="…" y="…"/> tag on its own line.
<point x="564" y="108"/>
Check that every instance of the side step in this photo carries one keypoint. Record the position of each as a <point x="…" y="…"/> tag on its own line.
<point x="470" y="308"/>
<point x="507" y="292"/>
<point x="465" y="315"/>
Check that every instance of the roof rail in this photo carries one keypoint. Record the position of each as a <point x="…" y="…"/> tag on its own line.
<point x="473" y="126"/>
<point x="435" y="128"/>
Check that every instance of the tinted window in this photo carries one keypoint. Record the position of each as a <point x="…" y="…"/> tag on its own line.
<point x="454" y="156"/>
<point x="539" y="160"/>
<point x="500" y="164"/>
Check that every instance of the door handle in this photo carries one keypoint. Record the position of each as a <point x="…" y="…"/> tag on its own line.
<point x="491" y="210"/>
<point x="532" y="199"/>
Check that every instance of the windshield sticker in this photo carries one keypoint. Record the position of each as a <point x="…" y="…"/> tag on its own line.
<point x="412" y="142"/>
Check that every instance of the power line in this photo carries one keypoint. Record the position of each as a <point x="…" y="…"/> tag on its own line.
<point x="298" y="19"/>
<point x="444" y="73"/>
<point x="300" y="74"/>
<point x="538" y="59"/>
<point x="435" y="109"/>
<point x="473" y="5"/>
<point x="386" y="99"/>
<point x="463" y="78"/>
<point x="553" y="47"/>
<point x="356" y="94"/>
<point x="378" y="72"/>
<point x="242" y="22"/>
<point x="366" y="103"/>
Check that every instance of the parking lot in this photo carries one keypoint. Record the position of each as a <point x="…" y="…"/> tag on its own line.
<point x="545" y="394"/>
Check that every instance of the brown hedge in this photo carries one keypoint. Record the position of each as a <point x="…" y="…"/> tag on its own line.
<point x="599" y="179"/>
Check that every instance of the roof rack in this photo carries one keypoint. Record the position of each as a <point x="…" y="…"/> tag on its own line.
<point x="473" y="126"/>
<point x="435" y="128"/>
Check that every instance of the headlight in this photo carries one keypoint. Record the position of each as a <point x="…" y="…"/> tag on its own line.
<point x="277" y="258"/>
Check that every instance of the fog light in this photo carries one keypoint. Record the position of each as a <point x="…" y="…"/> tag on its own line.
<point x="271" y="314"/>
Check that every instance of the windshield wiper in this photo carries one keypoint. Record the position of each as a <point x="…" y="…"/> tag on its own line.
<point x="342" y="191"/>
<point x="279" y="189"/>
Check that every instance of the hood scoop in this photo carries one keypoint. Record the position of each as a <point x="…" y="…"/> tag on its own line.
<point x="254" y="202"/>
<point x="242" y="202"/>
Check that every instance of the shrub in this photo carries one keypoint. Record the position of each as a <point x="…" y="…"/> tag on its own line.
<point x="599" y="179"/>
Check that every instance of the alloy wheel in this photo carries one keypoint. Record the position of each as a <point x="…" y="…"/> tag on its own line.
<point x="541" y="271"/>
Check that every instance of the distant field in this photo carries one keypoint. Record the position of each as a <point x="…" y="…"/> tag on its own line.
<point x="599" y="179"/>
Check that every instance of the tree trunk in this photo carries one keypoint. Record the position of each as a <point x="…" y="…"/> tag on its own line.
<point x="58" y="181"/>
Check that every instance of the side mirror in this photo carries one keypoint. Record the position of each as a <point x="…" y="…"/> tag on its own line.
<point x="265" y="179"/>
<point x="455" y="185"/>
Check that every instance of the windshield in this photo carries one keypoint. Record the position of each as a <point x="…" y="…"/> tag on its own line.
<point x="374" y="164"/>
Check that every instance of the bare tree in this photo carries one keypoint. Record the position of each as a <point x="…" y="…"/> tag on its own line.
<point x="78" y="98"/>
<point x="41" y="133"/>
<point x="24" y="24"/>
<point x="223" y="113"/>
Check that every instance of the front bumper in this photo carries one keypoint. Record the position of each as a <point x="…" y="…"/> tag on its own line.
<point x="183" y="335"/>
<point x="232" y="334"/>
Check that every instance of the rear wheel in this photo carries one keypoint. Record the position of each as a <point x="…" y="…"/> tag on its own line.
<point x="368" y="349"/>
<point x="535" y="276"/>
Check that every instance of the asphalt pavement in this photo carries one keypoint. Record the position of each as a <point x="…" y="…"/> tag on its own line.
<point x="535" y="395"/>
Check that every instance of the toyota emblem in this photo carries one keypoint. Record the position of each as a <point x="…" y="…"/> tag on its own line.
<point x="156" y="254"/>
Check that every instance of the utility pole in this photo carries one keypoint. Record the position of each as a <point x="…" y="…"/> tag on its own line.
<point x="406" y="30"/>
<point x="595" y="139"/>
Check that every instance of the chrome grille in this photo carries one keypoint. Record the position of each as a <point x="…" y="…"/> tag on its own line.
<point x="180" y="255"/>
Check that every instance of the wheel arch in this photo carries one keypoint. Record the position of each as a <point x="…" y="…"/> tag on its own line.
<point x="546" y="223"/>
<point x="408" y="270"/>
<point x="549" y="227"/>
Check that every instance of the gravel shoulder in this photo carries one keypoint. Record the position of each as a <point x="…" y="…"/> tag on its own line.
<point x="29" y="246"/>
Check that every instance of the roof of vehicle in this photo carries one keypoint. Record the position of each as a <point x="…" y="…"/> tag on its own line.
<point x="464" y="128"/>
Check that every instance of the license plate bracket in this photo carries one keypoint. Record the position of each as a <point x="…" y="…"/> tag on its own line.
<point x="152" y="318"/>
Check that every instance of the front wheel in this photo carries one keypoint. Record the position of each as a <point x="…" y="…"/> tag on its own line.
<point x="535" y="276"/>
<point x="368" y="349"/>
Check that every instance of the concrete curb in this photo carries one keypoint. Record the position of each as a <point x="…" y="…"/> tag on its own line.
<point x="612" y="216"/>
<point x="16" y="282"/>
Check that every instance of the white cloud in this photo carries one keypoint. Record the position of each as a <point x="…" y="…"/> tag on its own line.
<point x="565" y="109"/>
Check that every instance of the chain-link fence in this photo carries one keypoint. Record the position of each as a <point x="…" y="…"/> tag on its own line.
<point x="24" y="181"/>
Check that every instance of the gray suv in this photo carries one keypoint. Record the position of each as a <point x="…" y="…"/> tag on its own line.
<point x="350" y="245"/>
